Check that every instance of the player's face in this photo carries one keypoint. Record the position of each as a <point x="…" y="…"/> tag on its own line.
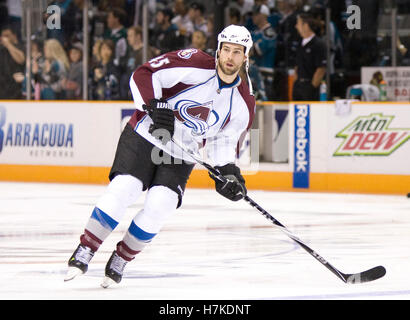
<point x="231" y="58"/>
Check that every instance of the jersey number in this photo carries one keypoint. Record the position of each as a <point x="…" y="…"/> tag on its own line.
<point x="158" y="61"/>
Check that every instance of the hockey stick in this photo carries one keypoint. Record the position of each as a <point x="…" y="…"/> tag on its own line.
<point x="365" y="276"/>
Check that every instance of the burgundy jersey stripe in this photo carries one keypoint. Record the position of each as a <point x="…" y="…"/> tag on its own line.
<point x="250" y="102"/>
<point x="170" y="92"/>
<point x="136" y="117"/>
<point x="143" y="79"/>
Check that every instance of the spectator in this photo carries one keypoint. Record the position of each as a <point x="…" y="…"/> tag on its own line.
<point x="318" y="11"/>
<point x="15" y="11"/>
<point x="196" y="14"/>
<point x="258" y="84"/>
<point x="133" y="59"/>
<point x="37" y="54"/>
<point x="55" y="69"/>
<point x="10" y="41"/>
<point x="310" y="60"/>
<point x="96" y="58"/>
<point x="273" y="16"/>
<point x="182" y="20"/>
<point x="235" y="16"/>
<point x="105" y="76"/>
<point x="4" y="14"/>
<point x="211" y="40"/>
<point x="72" y="21"/>
<point x="12" y="60"/>
<point x="288" y="37"/>
<point x="135" y="48"/>
<point x="338" y="15"/>
<point x="107" y="5"/>
<point x="264" y="39"/>
<point x="287" y="42"/>
<point x="57" y="33"/>
<point x="361" y="44"/>
<point x="199" y="41"/>
<point x="403" y="53"/>
<point x="37" y="58"/>
<point x="244" y="6"/>
<point x="117" y="33"/>
<point x="73" y="82"/>
<point x="166" y="36"/>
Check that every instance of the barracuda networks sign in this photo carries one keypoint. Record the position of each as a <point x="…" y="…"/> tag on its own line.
<point x="40" y="139"/>
<point x="301" y="146"/>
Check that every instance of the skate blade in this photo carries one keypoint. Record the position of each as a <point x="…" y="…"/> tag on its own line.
<point x="107" y="282"/>
<point x="72" y="273"/>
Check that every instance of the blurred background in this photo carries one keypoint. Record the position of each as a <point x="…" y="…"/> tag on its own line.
<point x="88" y="49"/>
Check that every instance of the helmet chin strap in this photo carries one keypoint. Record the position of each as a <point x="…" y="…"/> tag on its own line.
<point x="247" y="74"/>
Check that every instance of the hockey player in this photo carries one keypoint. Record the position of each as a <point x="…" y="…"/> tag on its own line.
<point x="191" y="97"/>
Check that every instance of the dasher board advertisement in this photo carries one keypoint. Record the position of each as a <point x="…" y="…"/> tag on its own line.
<point x="372" y="138"/>
<point x="59" y="133"/>
<point x="301" y="146"/>
<point x="397" y="81"/>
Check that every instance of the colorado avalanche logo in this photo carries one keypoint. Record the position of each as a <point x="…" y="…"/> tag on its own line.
<point x="186" y="53"/>
<point x="199" y="117"/>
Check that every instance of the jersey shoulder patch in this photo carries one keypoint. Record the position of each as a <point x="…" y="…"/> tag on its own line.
<point x="186" y="53"/>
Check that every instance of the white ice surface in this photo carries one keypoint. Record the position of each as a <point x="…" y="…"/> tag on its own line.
<point x="211" y="249"/>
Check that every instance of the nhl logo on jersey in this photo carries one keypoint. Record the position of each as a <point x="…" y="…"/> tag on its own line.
<point x="199" y="117"/>
<point x="186" y="53"/>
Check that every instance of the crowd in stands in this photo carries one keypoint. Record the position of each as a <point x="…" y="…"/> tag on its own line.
<point x="117" y="42"/>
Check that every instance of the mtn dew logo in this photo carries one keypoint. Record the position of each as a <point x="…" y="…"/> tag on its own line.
<point x="371" y="136"/>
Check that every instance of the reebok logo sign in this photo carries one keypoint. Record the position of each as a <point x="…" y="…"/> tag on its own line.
<point x="302" y="146"/>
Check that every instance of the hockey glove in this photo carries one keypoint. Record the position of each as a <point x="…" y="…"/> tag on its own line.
<point x="234" y="189"/>
<point x="163" y="119"/>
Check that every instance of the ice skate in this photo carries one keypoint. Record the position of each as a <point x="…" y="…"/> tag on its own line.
<point x="113" y="270"/>
<point x="78" y="263"/>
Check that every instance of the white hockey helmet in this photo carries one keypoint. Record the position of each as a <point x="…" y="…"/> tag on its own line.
<point x="236" y="34"/>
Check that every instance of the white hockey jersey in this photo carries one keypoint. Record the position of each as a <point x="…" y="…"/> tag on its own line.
<point x="206" y="113"/>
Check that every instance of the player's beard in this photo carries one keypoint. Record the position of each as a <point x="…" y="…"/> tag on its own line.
<point x="228" y="72"/>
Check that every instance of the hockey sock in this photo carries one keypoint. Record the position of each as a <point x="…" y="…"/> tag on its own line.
<point x="122" y="191"/>
<point x="160" y="203"/>
<point x="98" y="228"/>
<point x="133" y="242"/>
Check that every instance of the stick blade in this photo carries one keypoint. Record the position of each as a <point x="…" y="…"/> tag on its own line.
<point x="366" y="276"/>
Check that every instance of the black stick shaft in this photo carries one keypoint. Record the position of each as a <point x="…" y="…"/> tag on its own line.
<point x="344" y="277"/>
<point x="312" y="252"/>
